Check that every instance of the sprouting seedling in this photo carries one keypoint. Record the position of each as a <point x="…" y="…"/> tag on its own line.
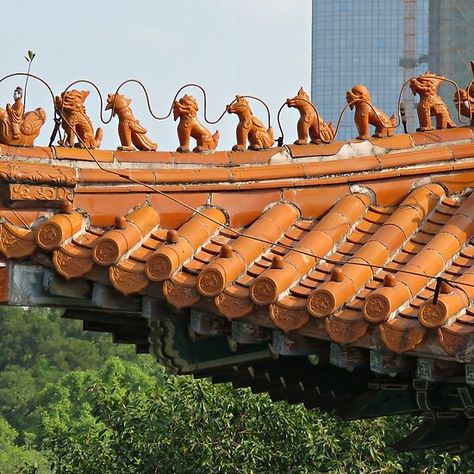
<point x="30" y="55"/>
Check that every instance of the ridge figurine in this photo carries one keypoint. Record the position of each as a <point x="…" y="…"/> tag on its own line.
<point x="75" y="120"/>
<point x="308" y="123"/>
<point x="19" y="128"/>
<point x="430" y="104"/>
<point x="465" y="103"/>
<point x="465" y="100"/>
<point x="249" y="127"/>
<point x="189" y="126"/>
<point x="132" y="134"/>
<point x="366" y="114"/>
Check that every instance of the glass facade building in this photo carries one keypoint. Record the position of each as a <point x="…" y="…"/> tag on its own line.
<point x="451" y="40"/>
<point x="362" y="42"/>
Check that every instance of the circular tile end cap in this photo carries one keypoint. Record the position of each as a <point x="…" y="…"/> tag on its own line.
<point x="210" y="282"/>
<point x="376" y="308"/>
<point x="49" y="236"/>
<point x="321" y="303"/>
<point x="106" y="252"/>
<point x="433" y="315"/>
<point x="264" y="291"/>
<point x="159" y="267"/>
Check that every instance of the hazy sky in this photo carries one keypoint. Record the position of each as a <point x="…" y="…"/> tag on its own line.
<point x="254" y="47"/>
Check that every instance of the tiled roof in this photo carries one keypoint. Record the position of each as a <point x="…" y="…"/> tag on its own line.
<point x="325" y="244"/>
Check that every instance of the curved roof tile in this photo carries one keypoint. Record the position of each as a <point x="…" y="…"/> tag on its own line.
<point x="309" y="256"/>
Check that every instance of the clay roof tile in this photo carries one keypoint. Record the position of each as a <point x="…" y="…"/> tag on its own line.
<point x="115" y="243"/>
<point x="363" y="258"/>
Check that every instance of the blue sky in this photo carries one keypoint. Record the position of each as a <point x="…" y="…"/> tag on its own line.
<point x="255" y="47"/>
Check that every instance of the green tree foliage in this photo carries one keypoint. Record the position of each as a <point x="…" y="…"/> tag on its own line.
<point x="38" y="347"/>
<point x="123" y="419"/>
<point x="18" y="459"/>
<point x="86" y="406"/>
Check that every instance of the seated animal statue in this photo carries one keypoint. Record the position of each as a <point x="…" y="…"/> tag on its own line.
<point x="189" y="126"/>
<point x="308" y="123"/>
<point x="131" y="133"/>
<point x="430" y="104"/>
<point x="366" y="114"/>
<point x="75" y="121"/>
<point x="465" y="99"/>
<point x="18" y="128"/>
<point x="249" y="128"/>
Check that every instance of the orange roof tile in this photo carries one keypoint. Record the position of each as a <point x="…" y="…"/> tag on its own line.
<point x="324" y="243"/>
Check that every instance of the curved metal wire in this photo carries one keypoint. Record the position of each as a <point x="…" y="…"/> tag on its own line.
<point x="155" y="189"/>
<point x="468" y="90"/>
<point x="341" y="114"/>
<point x="147" y="97"/>
<point x="57" y="115"/>
<point x="204" y="94"/>
<point x="239" y="233"/>
<point x="34" y="77"/>
<point x="282" y="136"/>
<point x="402" y="88"/>
<point x="374" y="110"/>
<point x="352" y="102"/>
<point x="167" y="115"/>
<point x="258" y="100"/>
<point x="86" y="81"/>
<point x="60" y="113"/>
<point x="458" y="108"/>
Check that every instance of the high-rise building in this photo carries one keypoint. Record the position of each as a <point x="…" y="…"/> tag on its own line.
<point x="451" y="40"/>
<point x="381" y="44"/>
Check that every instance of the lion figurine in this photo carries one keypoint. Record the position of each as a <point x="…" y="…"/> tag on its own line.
<point x="366" y="114"/>
<point x="465" y="102"/>
<point x="189" y="126"/>
<point x="75" y="121"/>
<point x="132" y="134"/>
<point x="249" y="128"/>
<point x="431" y="104"/>
<point x="308" y="124"/>
<point x="465" y="99"/>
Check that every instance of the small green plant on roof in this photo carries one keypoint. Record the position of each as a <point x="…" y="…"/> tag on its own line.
<point x="30" y="55"/>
